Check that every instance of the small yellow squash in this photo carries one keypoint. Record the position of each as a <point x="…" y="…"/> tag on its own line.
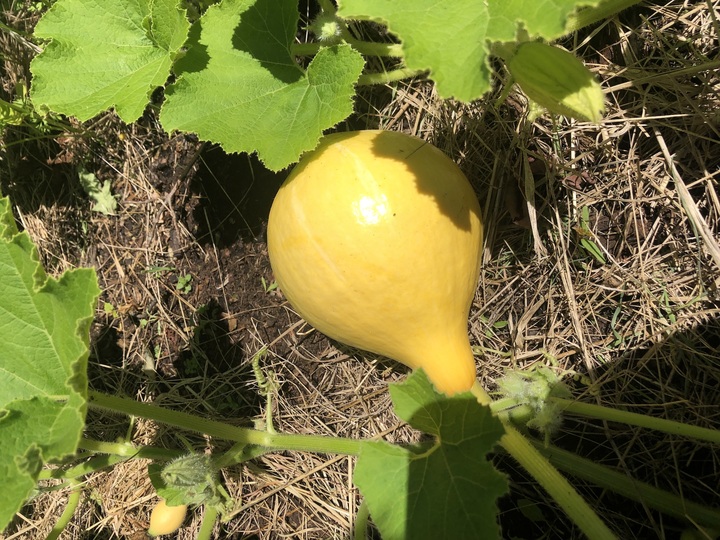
<point x="166" y="519"/>
<point x="375" y="240"/>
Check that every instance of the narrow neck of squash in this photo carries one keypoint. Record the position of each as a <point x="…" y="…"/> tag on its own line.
<point x="448" y="363"/>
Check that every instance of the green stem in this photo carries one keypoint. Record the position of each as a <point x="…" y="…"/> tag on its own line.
<point x="367" y="48"/>
<point x="119" y="449"/>
<point x="557" y="486"/>
<point x="72" y="504"/>
<point x="588" y="16"/>
<point x="190" y="422"/>
<point x="208" y="523"/>
<point x="386" y="77"/>
<point x="327" y="6"/>
<point x="361" y="522"/>
<point x="641" y="420"/>
<point x="266" y="387"/>
<point x="92" y="465"/>
<point x="125" y="450"/>
<point x="370" y="48"/>
<point x="239" y="453"/>
<point x="109" y="456"/>
<point x="504" y="404"/>
<point x="618" y="482"/>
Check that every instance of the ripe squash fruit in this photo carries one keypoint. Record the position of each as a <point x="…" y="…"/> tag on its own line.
<point x="375" y="240"/>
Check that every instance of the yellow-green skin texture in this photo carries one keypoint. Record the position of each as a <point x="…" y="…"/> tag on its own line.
<point x="166" y="519"/>
<point x="375" y="240"/>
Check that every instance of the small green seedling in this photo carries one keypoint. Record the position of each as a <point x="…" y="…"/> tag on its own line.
<point x="586" y="237"/>
<point x="184" y="283"/>
<point x="268" y="287"/>
<point x="159" y="270"/>
<point x="111" y="310"/>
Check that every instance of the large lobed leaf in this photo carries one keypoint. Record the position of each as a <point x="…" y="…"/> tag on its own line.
<point x="452" y="39"/>
<point x="106" y="53"/>
<point x="239" y="85"/>
<point x="446" y="489"/>
<point x="44" y="332"/>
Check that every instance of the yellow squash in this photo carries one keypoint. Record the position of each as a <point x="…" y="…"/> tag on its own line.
<point x="375" y="240"/>
<point x="166" y="519"/>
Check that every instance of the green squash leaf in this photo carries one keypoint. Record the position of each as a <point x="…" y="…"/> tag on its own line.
<point x="240" y="86"/>
<point x="44" y="331"/>
<point x="452" y="39"/>
<point x="557" y="80"/>
<point x="445" y="488"/>
<point x="106" y="53"/>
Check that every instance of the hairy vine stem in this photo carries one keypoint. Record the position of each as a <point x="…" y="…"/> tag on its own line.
<point x="590" y="410"/>
<point x="557" y="486"/>
<point x="67" y="515"/>
<point x="249" y="436"/>
<point x="208" y="523"/>
<point x="368" y="48"/>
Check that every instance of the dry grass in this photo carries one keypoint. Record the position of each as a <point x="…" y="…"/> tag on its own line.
<point x="638" y="323"/>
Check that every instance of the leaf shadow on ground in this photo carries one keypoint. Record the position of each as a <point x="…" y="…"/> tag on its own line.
<point x="37" y="171"/>
<point x="210" y="372"/>
<point x="236" y="192"/>
<point x="676" y="378"/>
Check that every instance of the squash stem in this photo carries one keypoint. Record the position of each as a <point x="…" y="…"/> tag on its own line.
<point x="366" y="48"/>
<point x="635" y="419"/>
<point x="327" y="6"/>
<point x="72" y="504"/>
<point x="548" y="477"/>
<point x="221" y="430"/>
<point x="122" y="450"/>
<point x="239" y="453"/>
<point x="386" y="77"/>
<point x="208" y="523"/>
<point x="361" y="521"/>
<point x="109" y="454"/>
<point x="618" y="482"/>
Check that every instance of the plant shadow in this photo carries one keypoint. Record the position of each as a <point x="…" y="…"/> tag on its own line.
<point x="236" y="192"/>
<point x="675" y="378"/>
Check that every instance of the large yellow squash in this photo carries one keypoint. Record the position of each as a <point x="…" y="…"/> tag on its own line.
<point x="375" y="240"/>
